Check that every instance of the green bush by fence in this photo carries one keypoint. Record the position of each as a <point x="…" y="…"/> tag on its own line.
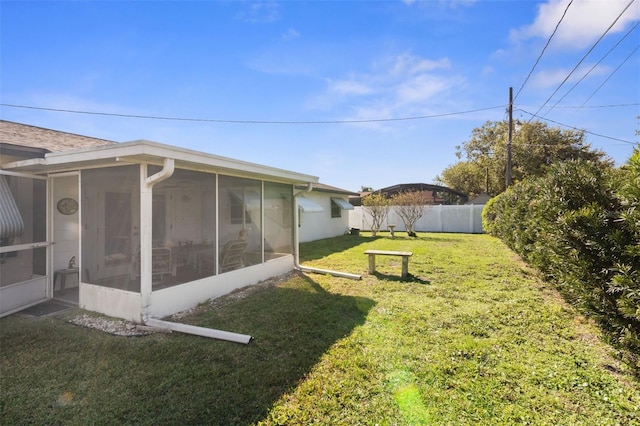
<point x="579" y="225"/>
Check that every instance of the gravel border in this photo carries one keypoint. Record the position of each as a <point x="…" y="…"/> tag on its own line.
<point x="119" y="327"/>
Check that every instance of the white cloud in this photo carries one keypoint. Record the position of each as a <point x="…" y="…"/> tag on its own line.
<point x="401" y="85"/>
<point x="349" y="87"/>
<point x="584" y="22"/>
<point x="488" y="70"/>
<point x="452" y="4"/>
<point x="260" y="12"/>
<point x="422" y="88"/>
<point x="290" y="34"/>
<point x="553" y="77"/>
<point x="408" y="64"/>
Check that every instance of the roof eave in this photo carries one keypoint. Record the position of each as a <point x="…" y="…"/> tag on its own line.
<point x="148" y="152"/>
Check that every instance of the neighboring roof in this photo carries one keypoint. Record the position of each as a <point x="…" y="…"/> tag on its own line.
<point x="481" y="198"/>
<point x="394" y="189"/>
<point x="321" y="187"/>
<point x="51" y="140"/>
<point x="444" y="195"/>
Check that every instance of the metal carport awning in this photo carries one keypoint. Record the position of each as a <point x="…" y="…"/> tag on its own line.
<point x="308" y="206"/>
<point x="344" y="205"/>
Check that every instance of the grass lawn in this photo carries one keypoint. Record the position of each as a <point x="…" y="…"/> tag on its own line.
<point x="473" y="337"/>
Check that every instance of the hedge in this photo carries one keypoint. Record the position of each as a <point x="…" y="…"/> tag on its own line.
<point x="579" y="225"/>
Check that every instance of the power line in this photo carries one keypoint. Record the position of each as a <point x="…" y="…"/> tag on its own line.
<point x="214" y="120"/>
<point x="610" y="75"/>
<point x="150" y="117"/>
<point x="583" y="58"/>
<point x="543" y="50"/>
<point x="596" y="64"/>
<point x="598" y="106"/>
<point x="576" y="128"/>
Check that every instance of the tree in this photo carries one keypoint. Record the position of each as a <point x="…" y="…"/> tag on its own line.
<point x="535" y="146"/>
<point x="410" y="206"/>
<point x="470" y="178"/>
<point x="378" y="208"/>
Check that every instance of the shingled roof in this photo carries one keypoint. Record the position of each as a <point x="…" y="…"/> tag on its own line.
<point x="51" y="140"/>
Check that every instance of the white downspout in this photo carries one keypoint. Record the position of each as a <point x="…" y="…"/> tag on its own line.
<point x="200" y="331"/>
<point x="146" y="220"/>
<point x="296" y="244"/>
<point x="169" y="166"/>
<point x="146" y="200"/>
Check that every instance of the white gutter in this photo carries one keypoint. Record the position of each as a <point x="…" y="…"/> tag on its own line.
<point x="296" y="244"/>
<point x="165" y="173"/>
<point x="200" y="331"/>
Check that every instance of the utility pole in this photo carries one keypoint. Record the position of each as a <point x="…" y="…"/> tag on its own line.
<point x="508" y="172"/>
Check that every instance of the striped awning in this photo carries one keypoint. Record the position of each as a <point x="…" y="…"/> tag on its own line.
<point x="11" y="224"/>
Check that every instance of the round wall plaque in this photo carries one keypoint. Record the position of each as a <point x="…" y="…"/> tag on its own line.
<point x="67" y="206"/>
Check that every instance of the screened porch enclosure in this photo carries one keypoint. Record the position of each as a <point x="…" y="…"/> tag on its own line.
<point x="203" y="225"/>
<point x="23" y="241"/>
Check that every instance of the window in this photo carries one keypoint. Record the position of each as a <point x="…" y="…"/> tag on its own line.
<point x="278" y="219"/>
<point x="240" y="204"/>
<point x="336" y="210"/>
<point x="237" y="206"/>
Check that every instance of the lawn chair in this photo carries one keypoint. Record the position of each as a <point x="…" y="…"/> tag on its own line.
<point x="231" y="257"/>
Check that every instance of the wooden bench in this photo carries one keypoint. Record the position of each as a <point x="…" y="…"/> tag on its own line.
<point x="405" y="259"/>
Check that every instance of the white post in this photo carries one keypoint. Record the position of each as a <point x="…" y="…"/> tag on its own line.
<point x="146" y="231"/>
<point x="146" y="241"/>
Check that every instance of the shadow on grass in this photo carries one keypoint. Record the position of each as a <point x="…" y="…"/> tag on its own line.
<point x="409" y="279"/>
<point x="293" y="327"/>
<point x="321" y="248"/>
<point x="442" y="237"/>
<point x="97" y="378"/>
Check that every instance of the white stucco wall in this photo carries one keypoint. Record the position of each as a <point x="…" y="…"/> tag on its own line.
<point x="315" y="226"/>
<point x="65" y="228"/>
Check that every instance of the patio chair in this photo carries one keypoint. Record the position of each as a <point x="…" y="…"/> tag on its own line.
<point x="231" y="257"/>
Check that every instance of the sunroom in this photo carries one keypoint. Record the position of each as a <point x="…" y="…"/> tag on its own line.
<point x="142" y="230"/>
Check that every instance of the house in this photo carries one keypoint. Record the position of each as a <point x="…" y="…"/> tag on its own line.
<point x="324" y="212"/>
<point x="444" y="211"/>
<point x="137" y="230"/>
<point x="480" y="199"/>
<point x="437" y="194"/>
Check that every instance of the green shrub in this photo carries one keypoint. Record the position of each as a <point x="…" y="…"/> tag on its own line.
<point x="579" y="225"/>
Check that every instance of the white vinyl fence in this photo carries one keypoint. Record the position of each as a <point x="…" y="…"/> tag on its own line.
<point x="466" y="219"/>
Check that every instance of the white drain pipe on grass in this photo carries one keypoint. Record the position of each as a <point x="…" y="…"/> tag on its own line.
<point x="200" y="331"/>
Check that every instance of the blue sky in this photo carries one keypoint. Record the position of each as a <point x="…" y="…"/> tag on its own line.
<point x="359" y="93"/>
